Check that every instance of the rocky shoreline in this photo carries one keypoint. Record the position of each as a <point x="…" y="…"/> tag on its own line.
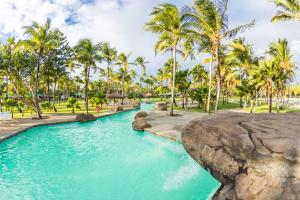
<point x="253" y="156"/>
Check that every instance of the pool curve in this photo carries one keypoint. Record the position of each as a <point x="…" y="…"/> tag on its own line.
<point x="101" y="160"/>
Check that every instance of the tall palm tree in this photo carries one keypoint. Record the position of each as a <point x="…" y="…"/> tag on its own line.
<point x="183" y="84"/>
<point x="41" y="39"/>
<point x="87" y="54"/>
<point x="265" y="75"/>
<point x="289" y="10"/>
<point x="208" y="21"/>
<point x="161" y="77"/>
<point x="241" y="59"/>
<point x="141" y="62"/>
<point x="281" y="53"/>
<point x="166" y="21"/>
<point x="199" y="74"/>
<point x="109" y="55"/>
<point x="124" y="71"/>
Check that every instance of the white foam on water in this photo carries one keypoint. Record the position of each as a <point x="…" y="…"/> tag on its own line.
<point x="178" y="178"/>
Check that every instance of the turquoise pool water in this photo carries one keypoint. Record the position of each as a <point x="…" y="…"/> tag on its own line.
<point x="101" y="160"/>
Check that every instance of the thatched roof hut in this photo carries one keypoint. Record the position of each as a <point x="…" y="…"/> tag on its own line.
<point x="114" y="96"/>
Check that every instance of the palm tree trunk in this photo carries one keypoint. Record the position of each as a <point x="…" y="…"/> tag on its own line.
<point x="277" y="103"/>
<point x="54" y="89"/>
<point x="108" y="80"/>
<point x="173" y="81"/>
<point x="251" y="109"/>
<point x="218" y="82"/>
<point x="256" y="103"/>
<point x="87" y="77"/>
<point x="36" y="85"/>
<point x="68" y="87"/>
<point x="270" y="100"/>
<point x="48" y="88"/>
<point x="123" y="80"/>
<point x="210" y="84"/>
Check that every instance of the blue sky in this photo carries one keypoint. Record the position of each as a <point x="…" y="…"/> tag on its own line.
<point x="121" y="22"/>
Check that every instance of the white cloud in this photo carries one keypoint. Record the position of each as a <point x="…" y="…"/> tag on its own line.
<point x="122" y="24"/>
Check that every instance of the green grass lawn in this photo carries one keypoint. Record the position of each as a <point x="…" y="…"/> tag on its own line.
<point x="62" y="108"/>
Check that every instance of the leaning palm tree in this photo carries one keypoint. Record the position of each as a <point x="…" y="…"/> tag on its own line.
<point x="87" y="54"/>
<point x="166" y="21"/>
<point x="208" y="21"/>
<point x="41" y="39"/>
<point x="109" y="55"/>
<point x="289" y="10"/>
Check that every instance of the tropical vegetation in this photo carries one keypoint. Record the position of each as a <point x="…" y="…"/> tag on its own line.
<point x="42" y="73"/>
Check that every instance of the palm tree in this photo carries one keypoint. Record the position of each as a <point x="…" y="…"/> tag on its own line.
<point x="109" y="55"/>
<point x="241" y="59"/>
<point x="41" y="39"/>
<point x="266" y="75"/>
<point x="123" y="61"/>
<point x="280" y="51"/>
<point x="161" y="77"/>
<point x="166" y="21"/>
<point x="141" y="62"/>
<point x="73" y="103"/>
<point x="199" y="74"/>
<point x="209" y="23"/>
<point x="87" y="54"/>
<point x="289" y="10"/>
<point x="183" y="84"/>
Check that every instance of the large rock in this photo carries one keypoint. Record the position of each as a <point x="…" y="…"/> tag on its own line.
<point x="141" y="114"/>
<point x="253" y="156"/>
<point x="161" y="106"/>
<point x="136" y="105"/>
<point x="85" y="118"/>
<point x="119" y="108"/>
<point x="140" y="122"/>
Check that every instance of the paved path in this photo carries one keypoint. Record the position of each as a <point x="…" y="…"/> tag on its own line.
<point x="170" y="127"/>
<point x="11" y="128"/>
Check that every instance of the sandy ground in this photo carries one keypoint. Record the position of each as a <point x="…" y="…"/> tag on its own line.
<point x="170" y="127"/>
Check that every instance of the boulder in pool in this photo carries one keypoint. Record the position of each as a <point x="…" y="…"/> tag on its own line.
<point x="119" y="108"/>
<point x="140" y="122"/>
<point x="136" y="105"/>
<point x="253" y="156"/>
<point x="141" y="114"/>
<point x="85" y="118"/>
<point x="161" y="106"/>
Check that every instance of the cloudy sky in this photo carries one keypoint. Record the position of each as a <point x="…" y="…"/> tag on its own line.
<point x="121" y="23"/>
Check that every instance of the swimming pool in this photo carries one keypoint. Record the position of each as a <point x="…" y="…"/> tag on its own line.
<point x="101" y="160"/>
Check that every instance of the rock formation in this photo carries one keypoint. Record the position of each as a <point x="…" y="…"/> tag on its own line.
<point x="161" y="106"/>
<point x="119" y="108"/>
<point x="140" y="122"/>
<point x="253" y="156"/>
<point x="85" y="118"/>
